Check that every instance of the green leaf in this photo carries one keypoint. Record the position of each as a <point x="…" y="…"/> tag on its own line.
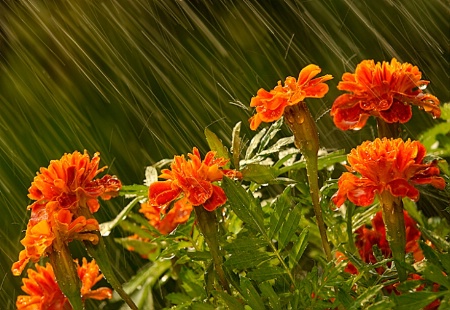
<point x="259" y="173"/>
<point x="416" y="300"/>
<point x="280" y="208"/>
<point x="275" y="148"/>
<point x="105" y="228"/>
<point x="299" y="248"/>
<point x="268" y="292"/>
<point x="271" y="132"/>
<point x="244" y="205"/>
<point x="247" y="259"/>
<point x="266" y="272"/>
<point x="148" y="275"/>
<point x="289" y="227"/>
<point x="366" y="296"/>
<point x="254" y="143"/>
<point x="251" y="295"/>
<point x="131" y="191"/>
<point x="215" y="144"/>
<point x="231" y="302"/>
<point x="432" y="272"/>
<point x="236" y="144"/>
<point x="179" y="299"/>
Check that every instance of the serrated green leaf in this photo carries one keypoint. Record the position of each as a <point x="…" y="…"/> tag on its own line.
<point x="200" y="305"/>
<point x="179" y="299"/>
<point x="366" y="296"/>
<point x="244" y="205"/>
<point x="260" y="174"/>
<point x="231" y="302"/>
<point x="266" y="272"/>
<point x="105" y="228"/>
<point x="247" y="259"/>
<point x="215" y="144"/>
<point x="245" y="243"/>
<point x="416" y="300"/>
<point x="251" y="295"/>
<point x="383" y="304"/>
<point x="275" y="148"/>
<point x="299" y="248"/>
<point x="289" y="227"/>
<point x="280" y="208"/>
<point x="432" y="272"/>
<point x="268" y="292"/>
<point x="254" y="143"/>
<point x="271" y="132"/>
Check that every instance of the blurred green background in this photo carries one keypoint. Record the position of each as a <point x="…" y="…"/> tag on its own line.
<point x="139" y="81"/>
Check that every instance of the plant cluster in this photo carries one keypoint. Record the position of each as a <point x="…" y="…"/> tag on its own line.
<point x="277" y="224"/>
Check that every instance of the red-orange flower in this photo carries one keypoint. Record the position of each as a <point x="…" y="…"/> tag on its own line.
<point x="270" y="105"/>
<point x="43" y="292"/>
<point x="386" y="165"/>
<point x="193" y="181"/>
<point x="385" y="90"/>
<point x="70" y="183"/>
<point x="60" y="191"/>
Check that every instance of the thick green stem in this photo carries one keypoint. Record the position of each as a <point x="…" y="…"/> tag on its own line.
<point x="394" y="221"/>
<point x="388" y="130"/>
<point x="207" y="223"/>
<point x="66" y="273"/>
<point x="306" y="139"/>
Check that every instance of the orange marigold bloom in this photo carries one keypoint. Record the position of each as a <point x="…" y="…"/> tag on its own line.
<point x="385" y="90"/>
<point x="386" y="165"/>
<point x="43" y="292"/>
<point x="69" y="182"/>
<point x="193" y="180"/>
<point x="60" y="191"/>
<point x="270" y="105"/>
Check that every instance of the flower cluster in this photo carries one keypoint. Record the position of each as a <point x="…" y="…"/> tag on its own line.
<point x="375" y="235"/>
<point x="391" y="165"/>
<point x="384" y="90"/>
<point x="190" y="183"/>
<point x="270" y="105"/>
<point x="66" y="194"/>
<point x="44" y="293"/>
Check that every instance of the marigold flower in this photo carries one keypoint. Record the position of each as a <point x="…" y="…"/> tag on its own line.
<point x="70" y="183"/>
<point x="386" y="165"/>
<point x="60" y="191"/>
<point x="385" y="90"/>
<point x="270" y="105"/>
<point x="43" y="292"/>
<point x="193" y="181"/>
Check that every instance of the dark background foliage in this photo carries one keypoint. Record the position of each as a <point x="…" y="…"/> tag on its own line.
<point x="139" y="81"/>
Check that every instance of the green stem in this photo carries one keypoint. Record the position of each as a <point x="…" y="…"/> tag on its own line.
<point x="306" y="139"/>
<point x="388" y="130"/>
<point x="66" y="273"/>
<point x="207" y="223"/>
<point x="311" y="168"/>
<point x="394" y="221"/>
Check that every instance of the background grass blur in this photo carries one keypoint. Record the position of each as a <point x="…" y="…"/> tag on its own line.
<point x="139" y="81"/>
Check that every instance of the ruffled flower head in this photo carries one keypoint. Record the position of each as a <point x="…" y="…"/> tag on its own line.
<point x="60" y="191"/>
<point x="375" y="234"/>
<point x="386" y="165"/>
<point x="385" y="90"/>
<point x="190" y="183"/>
<point x="43" y="292"/>
<point x="270" y="105"/>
